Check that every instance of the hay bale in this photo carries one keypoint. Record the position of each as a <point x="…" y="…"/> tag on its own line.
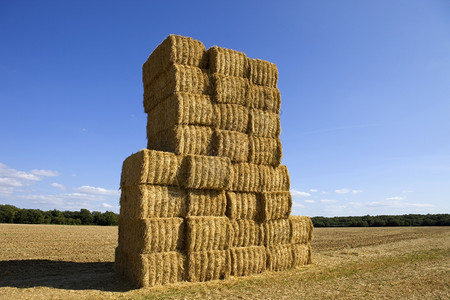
<point x="151" y="235"/>
<point x="208" y="233"/>
<point x="183" y="140"/>
<point x="208" y="265"/>
<point x="228" y="62"/>
<point x="266" y="151"/>
<point x="206" y="203"/>
<point x="231" y="144"/>
<point x="301" y="254"/>
<point x="231" y="117"/>
<point x="274" y="205"/>
<point x="241" y="205"/>
<point x="245" y="177"/>
<point x="152" y="201"/>
<point x="174" y="49"/>
<point x="177" y="78"/>
<point x="302" y="229"/>
<point x="248" y="260"/>
<point x="230" y="89"/>
<point x="145" y="270"/>
<point x="274" y="178"/>
<point x="152" y="167"/>
<point x="279" y="257"/>
<point x="265" y="98"/>
<point x="263" y="72"/>
<point x="180" y="109"/>
<point x="206" y="172"/>
<point x="264" y="124"/>
<point x="247" y="233"/>
<point x="277" y="232"/>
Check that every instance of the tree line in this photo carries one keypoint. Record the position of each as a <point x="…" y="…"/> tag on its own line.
<point x="384" y="220"/>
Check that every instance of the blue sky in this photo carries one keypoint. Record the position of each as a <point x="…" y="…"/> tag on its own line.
<point x="365" y="91"/>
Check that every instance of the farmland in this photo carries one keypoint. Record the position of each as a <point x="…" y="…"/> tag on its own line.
<point x="57" y="261"/>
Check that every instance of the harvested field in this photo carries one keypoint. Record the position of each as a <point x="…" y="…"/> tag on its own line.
<point x="72" y="262"/>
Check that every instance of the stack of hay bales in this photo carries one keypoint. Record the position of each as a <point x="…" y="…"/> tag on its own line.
<point x="209" y="198"/>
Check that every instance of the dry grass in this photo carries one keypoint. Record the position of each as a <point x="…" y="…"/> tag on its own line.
<point x="42" y="262"/>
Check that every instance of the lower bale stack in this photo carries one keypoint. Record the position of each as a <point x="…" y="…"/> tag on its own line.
<point x="279" y="257"/>
<point x="208" y="233"/>
<point x="302" y="229"/>
<point x="208" y="265"/>
<point x="248" y="260"/>
<point x="247" y="233"/>
<point x="301" y="254"/>
<point x="277" y="232"/>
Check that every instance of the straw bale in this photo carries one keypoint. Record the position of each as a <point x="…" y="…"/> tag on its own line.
<point x="277" y="232"/>
<point x="206" y="172"/>
<point x="241" y="205"/>
<point x="248" y="260"/>
<point x="208" y="233"/>
<point x="230" y="89"/>
<point x="183" y="140"/>
<point x="265" y="98"/>
<point x="151" y="235"/>
<point x="231" y="144"/>
<point x="274" y="178"/>
<point x="145" y="270"/>
<point x="302" y="229"/>
<point x="177" y="78"/>
<point x="245" y="177"/>
<point x="279" y="257"/>
<point x="228" y="62"/>
<point x="152" y="201"/>
<point x="231" y="117"/>
<point x="301" y="254"/>
<point x="247" y="233"/>
<point x="264" y="124"/>
<point x="181" y="109"/>
<point x="266" y="151"/>
<point x="206" y="203"/>
<point x="263" y="72"/>
<point x="152" y="167"/>
<point x="174" y="49"/>
<point x="208" y="265"/>
<point x="274" y="205"/>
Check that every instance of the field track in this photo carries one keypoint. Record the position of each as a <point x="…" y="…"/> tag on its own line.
<point x="76" y="262"/>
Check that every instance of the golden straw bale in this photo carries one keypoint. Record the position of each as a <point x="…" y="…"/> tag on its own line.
<point x="274" y="205"/>
<point x="151" y="235"/>
<point x="245" y="177"/>
<point x="177" y="78"/>
<point x="206" y="172"/>
<point x="181" y="109"/>
<point x="208" y="233"/>
<point x="206" y="203"/>
<point x="279" y="257"/>
<point x="263" y="72"/>
<point x="183" y="140"/>
<point x="247" y="233"/>
<point x="208" y="265"/>
<point x="277" y="232"/>
<point x="231" y="117"/>
<point x="152" y="167"/>
<point x="265" y="98"/>
<point x="301" y="254"/>
<point x="264" y="150"/>
<point x="302" y="229"/>
<point x="231" y="144"/>
<point x="264" y="124"/>
<point x="228" y="62"/>
<point x="174" y="49"/>
<point x="248" y="260"/>
<point x="152" y="201"/>
<point x="230" y="89"/>
<point x="241" y="205"/>
<point x="274" y="178"/>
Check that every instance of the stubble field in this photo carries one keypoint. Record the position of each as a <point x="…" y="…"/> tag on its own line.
<point x="73" y="262"/>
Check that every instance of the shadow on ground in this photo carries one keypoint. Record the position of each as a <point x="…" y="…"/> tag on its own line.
<point x="61" y="275"/>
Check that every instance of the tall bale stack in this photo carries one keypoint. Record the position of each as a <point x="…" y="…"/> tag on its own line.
<point x="209" y="198"/>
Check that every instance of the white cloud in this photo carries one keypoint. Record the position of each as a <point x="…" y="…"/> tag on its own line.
<point x="296" y="194"/>
<point x="310" y="201"/>
<point x="297" y="205"/>
<point x="58" y="185"/>
<point x="97" y="190"/>
<point x="324" y="193"/>
<point x="33" y="175"/>
<point x="327" y="201"/>
<point x="313" y="190"/>
<point x="396" y="198"/>
<point x="5" y="181"/>
<point x="45" y="173"/>
<point x="356" y="191"/>
<point x="106" y="205"/>
<point x="342" y="191"/>
<point x="6" y="190"/>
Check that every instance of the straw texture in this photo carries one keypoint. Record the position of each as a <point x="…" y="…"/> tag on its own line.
<point x="241" y="206"/>
<point x="277" y="232"/>
<point x="245" y="177"/>
<point x="301" y="254"/>
<point x="206" y="172"/>
<point x="280" y="257"/>
<point x="229" y="89"/>
<point x="263" y="72"/>
<point x="228" y="62"/>
<point x="231" y="117"/>
<point x="265" y="98"/>
<point x="265" y="151"/>
<point x="264" y="124"/>
<point x="248" y="260"/>
<point x="275" y="178"/>
<point x="302" y="229"/>
<point x="208" y="265"/>
<point x="206" y="203"/>
<point x="208" y="233"/>
<point x="247" y="233"/>
<point x="274" y="205"/>
<point x="231" y="144"/>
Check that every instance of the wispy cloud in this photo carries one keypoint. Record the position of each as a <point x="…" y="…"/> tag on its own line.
<point x="313" y="190"/>
<point x="346" y="191"/>
<point x="33" y="175"/>
<point x="97" y="190"/>
<point x="327" y="201"/>
<point x="297" y="194"/>
<point x="58" y="185"/>
<point x="12" y="182"/>
<point x="396" y="198"/>
<point x="356" y="191"/>
<point x="310" y="201"/>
